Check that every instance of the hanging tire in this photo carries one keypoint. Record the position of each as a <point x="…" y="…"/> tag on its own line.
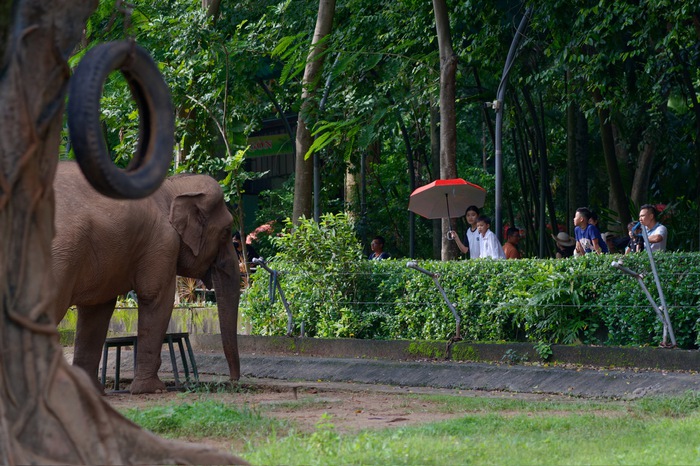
<point x="156" y="140"/>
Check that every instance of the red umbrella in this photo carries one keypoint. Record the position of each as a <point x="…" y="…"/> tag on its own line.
<point x="446" y="198"/>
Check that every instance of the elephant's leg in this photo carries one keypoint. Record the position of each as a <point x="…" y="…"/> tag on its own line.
<point x="154" y="315"/>
<point x="90" y="335"/>
<point x="226" y="284"/>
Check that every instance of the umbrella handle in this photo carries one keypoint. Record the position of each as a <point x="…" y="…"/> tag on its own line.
<point x="450" y="235"/>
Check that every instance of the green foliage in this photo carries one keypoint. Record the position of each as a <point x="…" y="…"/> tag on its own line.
<point x="547" y="301"/>
<point x="381" y="81"/>
<point x="321" y="441"/>
<point x="325" y="245"/>
<point x="544" y="350"/>
<point x="203" y="419"/>
<point x="319" y="264"/>
<point x="513" y="357"/>
<point x="66" y="337"/>
<point x="556" y="303"/>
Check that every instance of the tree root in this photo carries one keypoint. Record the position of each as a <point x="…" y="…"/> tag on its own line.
<point x="72" y="423"/>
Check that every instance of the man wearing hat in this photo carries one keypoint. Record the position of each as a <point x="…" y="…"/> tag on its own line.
<point x="565" y="245"/>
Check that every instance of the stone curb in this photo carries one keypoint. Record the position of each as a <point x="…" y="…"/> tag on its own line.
<point x="403" y="350"/>
<point x="620" y="373"/>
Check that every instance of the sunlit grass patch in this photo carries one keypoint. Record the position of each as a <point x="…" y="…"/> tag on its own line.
<point x="205" y="419"/>
<point x="660" y="430"/>
<point x="673" y="406"/>
<point x="466" y="404"/>
<point x="502" y="431"/>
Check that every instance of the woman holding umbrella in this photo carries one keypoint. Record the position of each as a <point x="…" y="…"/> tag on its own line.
<point x="442" y="198"/>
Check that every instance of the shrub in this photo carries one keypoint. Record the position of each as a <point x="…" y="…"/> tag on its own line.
<point x="540" y="300"/>
<point x="318" y="262"/>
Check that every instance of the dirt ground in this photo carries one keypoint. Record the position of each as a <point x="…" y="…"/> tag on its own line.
<point x="349" y="407"/>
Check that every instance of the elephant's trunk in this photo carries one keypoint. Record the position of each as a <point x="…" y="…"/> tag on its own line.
<point x="227" y="284"/>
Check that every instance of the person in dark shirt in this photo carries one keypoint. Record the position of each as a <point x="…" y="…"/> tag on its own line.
<point x="636" y="242"/>
<point x="250" y="251"/>
<point x="588" y="237"/>
<point x="377" y="246"/>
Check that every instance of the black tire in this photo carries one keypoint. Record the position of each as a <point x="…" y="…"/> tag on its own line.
<point x="154" y="152"/>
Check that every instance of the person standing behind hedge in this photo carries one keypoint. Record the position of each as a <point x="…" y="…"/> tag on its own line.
<point x="657" y="233"/>
<point x="490" y="246"/>
<point x="511" y="247"/>
<point x="601" y="239"/>
<point x="377" y="246"/>
<point x="636" y="242"/>
<point x="472" y="239"/>
<point x="564" y="244"/>
<point x="587" y="234"/>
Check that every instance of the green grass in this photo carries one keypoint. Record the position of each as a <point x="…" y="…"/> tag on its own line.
<point x="202" y="419"/>
<point x="659" y="430"/>
<point x="451" y="404"/>
<point x="495" y="439"/>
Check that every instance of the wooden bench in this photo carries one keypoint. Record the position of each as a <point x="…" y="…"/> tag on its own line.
<point x="182" y="340"/>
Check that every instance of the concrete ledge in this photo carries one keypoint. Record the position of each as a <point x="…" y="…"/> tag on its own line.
<point x="404" y="350"/>
<point x="606" y="372"/>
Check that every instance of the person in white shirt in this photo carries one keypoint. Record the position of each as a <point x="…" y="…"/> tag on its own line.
<point x="470" y="245"/>
<point x="490" y="246"/>
<point x="657" y="233"/>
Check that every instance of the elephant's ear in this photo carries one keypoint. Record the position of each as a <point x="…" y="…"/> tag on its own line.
<point x="188" y="219"/>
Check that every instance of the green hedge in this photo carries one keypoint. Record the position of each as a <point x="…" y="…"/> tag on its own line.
<point x="554" y="301"/>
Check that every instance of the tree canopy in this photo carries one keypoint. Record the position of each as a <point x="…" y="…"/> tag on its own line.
<point x="602" y="105"/>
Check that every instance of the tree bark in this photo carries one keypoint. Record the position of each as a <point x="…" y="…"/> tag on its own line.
<point x="571" y="169"/>
<point x="618" y="198"/>
<point x="303" y="169"/>
<point x="642" y="176"/>
<point x="448" y="120"/>
<point x="546" y="199"/>
<point x="582" y="158"/>
<point x="213" y="7"/>
<point x="435" y="161"/>
<point x="352" y="191"/>
<point x="521" y="161"/>
<point x="50" y="412"/>
<point x="576" y="163"/>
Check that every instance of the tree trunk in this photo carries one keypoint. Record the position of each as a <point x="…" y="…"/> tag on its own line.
<point x="352" y="191"/>
<point x="50" y="412"/>
<point x="528" y="149"/>
<point x="618" y="198"/>
<point x="213" y="7"/>
<point x="411" y="166"/>
<point x="546" y="200"/>
<point x="435" y="160"/>
<point x="303" y="181"/>
<point x="576" y="163"/>
<point x="572" y="173"/>
<point x="487" y="124"/>
<point x="448" y="120"/>
<point x="520" y="163"/>
<point x="642" y="177"/>
<point x="582" y="157"/>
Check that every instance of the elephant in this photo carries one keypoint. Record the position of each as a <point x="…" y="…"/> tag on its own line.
<point x="104" y="248"/>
